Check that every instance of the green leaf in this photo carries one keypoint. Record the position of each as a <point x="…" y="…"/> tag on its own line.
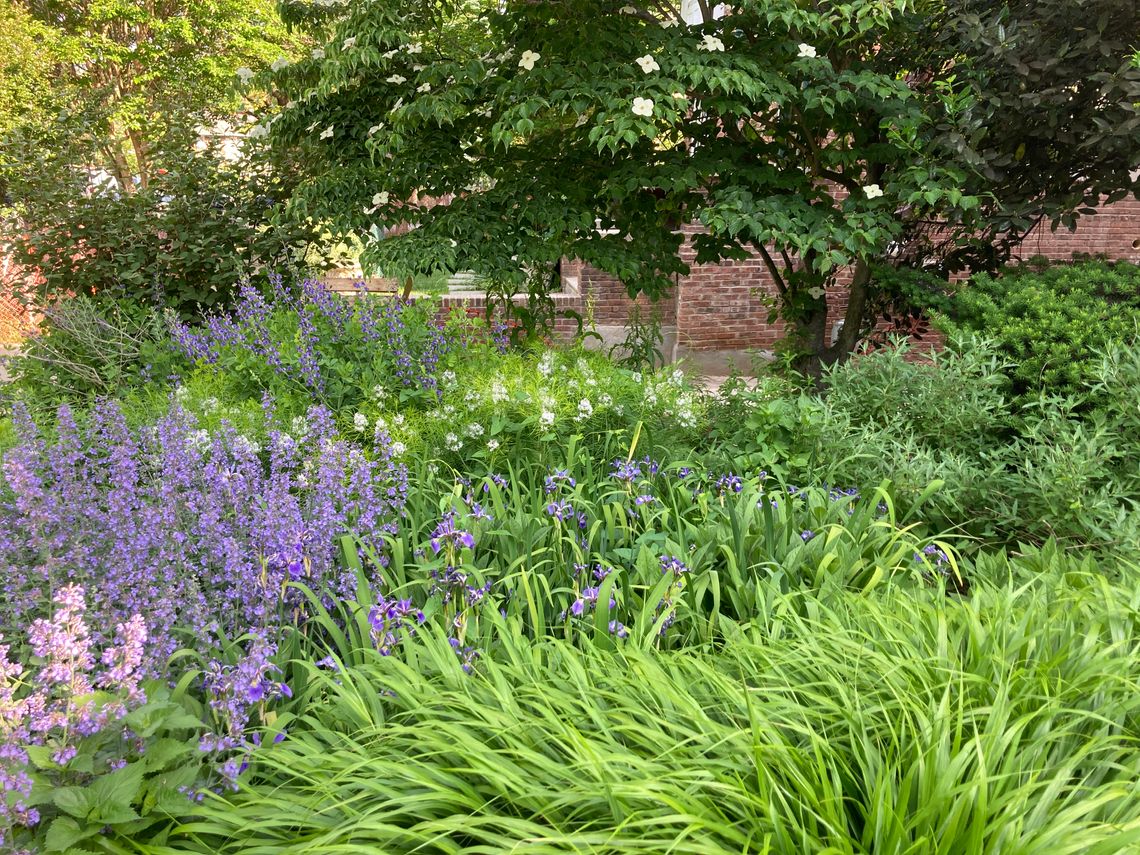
<point x="73" y="801"/>
<point x="64" y="833"/>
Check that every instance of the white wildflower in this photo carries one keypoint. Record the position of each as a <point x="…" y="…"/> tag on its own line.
<point x="546" y="364"/>
<point x="643" y="106"/>
<point x="200" y="440"/>
<point x="474" y="429"/>
<point x="210" y="404"/>
<point x="448" y="378"/>
<point x="872" y="191"/>
<point x="452" y="442"/>
<point x="546" y="419"/>
<point x="585" y="409"/>
<point x="244" y="74"/>
<point x="433" y="468"/>
<point x="318" y="53"/>
<point x="398" y="448"/>
<point x="528" y="59"/>
<point x="492" y="444"/>
<point x="807" y="52"/>
<point x="245" y="445"/>
<point x="605" y="400"/>
<point x="648" y="64"/>
<point x="498" y="392"/>
<point x="257" y="132"/>
<point x="299" y="426"/>
<point x="360" y="422"/>
<point x="710" y="43"/>
<point x="398" y="419"/>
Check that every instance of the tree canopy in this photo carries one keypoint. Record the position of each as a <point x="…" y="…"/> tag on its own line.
<point x="110" y="80"/>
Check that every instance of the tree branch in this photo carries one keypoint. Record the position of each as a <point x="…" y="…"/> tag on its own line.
<point x="781" y="284"/>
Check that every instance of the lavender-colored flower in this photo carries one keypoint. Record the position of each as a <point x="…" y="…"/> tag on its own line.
<point x="557" y="479"/>
<point x="626" y="471"/>
<point x="447" y="536"/>
<point x="806" y="535"/>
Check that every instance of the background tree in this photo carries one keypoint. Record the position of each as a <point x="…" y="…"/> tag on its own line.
<point x="122" y="75"/>
<point x="824" y="137"/>
<point x="1042" y="101"/>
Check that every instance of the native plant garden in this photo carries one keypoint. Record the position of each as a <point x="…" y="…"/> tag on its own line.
<point x="285" y="570"/>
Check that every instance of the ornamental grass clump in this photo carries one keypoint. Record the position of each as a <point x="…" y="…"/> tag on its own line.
<point x="900" y="722"/>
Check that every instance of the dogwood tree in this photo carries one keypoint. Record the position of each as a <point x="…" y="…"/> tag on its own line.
<point x="513" y="136"/>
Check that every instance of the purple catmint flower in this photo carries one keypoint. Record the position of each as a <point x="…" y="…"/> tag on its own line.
<point x="807" y="535"/>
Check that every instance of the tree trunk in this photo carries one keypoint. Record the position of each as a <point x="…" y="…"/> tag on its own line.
<point x="142" y="162"/>
<point x="819" y="352"/>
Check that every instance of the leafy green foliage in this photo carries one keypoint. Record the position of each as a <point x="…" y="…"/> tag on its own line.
<point x="1043" y="97"/>
<point x="157" y="763"/>
<point x="1051" y="322"/>
<point x="596" y="131"/>
<point x="116" y="78"/>
<point x="185" y="241"/>
<point x="86" y="346"/>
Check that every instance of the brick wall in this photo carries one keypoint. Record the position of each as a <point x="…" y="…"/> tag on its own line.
<point x="1114" y="231"/>
<point x="722" y="306"/>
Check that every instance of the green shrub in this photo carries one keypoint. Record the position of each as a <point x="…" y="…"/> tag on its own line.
<point x="1049" y="322"/>
<point x="954" y="400"/>
<point x="88" y="346"/>
<point x="184" y="241"/>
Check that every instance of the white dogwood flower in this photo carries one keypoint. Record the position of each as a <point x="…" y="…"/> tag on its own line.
<point x="816" y="292"/>
<point x="258" y="131"/>
<point x="643" y="106"/>
<point x="648" y="64"/>
<point x="349" y="43"/>
<point x="424" y="87"/>
<point x="327" y="132"/>
<point x="397" y="79"/>
<point x="279" y="63"/>
<point x="244" y="74"/>
<point x="380" y="198"/>
<point x="807" y="51"/>
<point x="528" y="59"/>
<point x="872" y="191"/>
<point x="318" y="53"/>
<point x="711" y="43"/>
